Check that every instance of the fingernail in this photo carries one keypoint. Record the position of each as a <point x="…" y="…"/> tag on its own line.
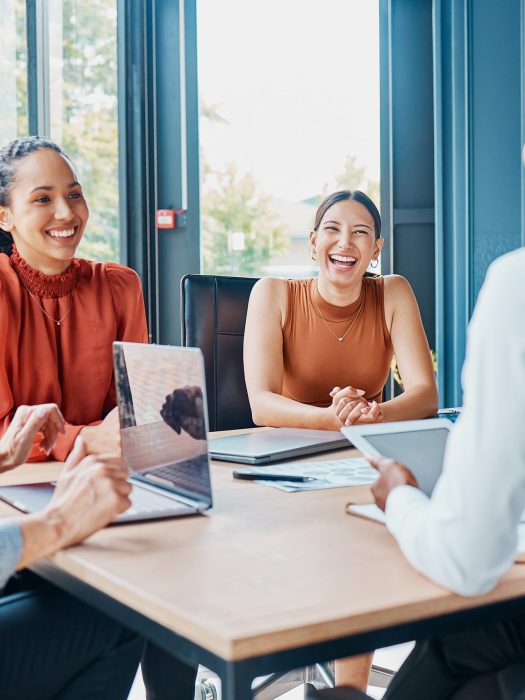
<point x="360" y="392"/>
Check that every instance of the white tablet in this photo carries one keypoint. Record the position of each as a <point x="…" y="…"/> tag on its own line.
<point x="418" y="444"/>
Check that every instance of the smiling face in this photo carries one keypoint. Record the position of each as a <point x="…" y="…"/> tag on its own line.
<point x="345" y="243"/>
<point x="47" y="212"/>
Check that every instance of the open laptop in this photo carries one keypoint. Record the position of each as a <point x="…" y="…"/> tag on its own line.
<point x="163" y="419"/>
<point x="418" y="444"/>
<point x="275" y="444"/>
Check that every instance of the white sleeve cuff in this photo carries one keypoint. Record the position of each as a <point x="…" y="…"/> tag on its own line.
<point x="401" y="500"/>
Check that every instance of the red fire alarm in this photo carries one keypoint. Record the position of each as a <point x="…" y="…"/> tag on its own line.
<point x="165" y="218"/>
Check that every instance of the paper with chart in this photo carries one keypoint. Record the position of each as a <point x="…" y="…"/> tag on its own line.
<point x="328" y="474"/>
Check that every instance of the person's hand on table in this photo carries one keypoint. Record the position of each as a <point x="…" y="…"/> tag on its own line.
<point x="350" y="406"/>
<point x="91" y="491"/>
<point x="103" y="438"/>
<point x="391" y="474"/>
<point x="17" y="441"/>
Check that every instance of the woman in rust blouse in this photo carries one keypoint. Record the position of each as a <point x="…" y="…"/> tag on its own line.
<point x="58" y="314"/>
<point x="58" y="318"/>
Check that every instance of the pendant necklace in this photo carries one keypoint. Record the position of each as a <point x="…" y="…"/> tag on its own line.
<point x="51" y="318"/>
<point x="337" y="337"/>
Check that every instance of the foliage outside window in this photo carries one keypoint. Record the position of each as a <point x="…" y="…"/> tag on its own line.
<point x="13" y="71"/>
<point x="242" y="232"/>
<point x="84" y="117"/>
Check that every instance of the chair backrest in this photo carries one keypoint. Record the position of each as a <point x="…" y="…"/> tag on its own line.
<point x="213" y="318"/>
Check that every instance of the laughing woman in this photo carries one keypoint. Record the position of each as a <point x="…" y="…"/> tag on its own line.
<point x="58" y="318"/>
<point x="317" y="352"/>
<point x="58" y="314"/>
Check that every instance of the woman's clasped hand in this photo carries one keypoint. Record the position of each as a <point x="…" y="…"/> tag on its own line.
<point x="350" y="406"/>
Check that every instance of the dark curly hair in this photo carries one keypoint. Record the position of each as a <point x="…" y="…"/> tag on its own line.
<point x="16" y="150"/>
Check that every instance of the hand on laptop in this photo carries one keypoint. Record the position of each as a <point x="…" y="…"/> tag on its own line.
<point x="17" y="441"/>
<point x="103" y="438"/>
<point x="391" y="474"/>
<point x="91" y="491"/>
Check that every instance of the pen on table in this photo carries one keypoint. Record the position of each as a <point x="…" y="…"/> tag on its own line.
<point x="252" y="476"/>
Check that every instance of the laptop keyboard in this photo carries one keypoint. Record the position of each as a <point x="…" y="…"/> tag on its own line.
<point x="191" y="475"/>
<point x="149" y="502"/>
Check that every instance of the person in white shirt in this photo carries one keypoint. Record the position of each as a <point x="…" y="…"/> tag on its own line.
<point x="464" y="537"/>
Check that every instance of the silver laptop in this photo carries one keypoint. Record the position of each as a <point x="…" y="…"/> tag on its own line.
<point x="275" y="444"/>
<point x="163" y="419"/>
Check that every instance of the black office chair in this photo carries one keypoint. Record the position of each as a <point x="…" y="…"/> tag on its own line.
<point x="213" y="317"/>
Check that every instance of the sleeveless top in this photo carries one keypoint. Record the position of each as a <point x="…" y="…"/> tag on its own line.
<point x="315" y="360"/>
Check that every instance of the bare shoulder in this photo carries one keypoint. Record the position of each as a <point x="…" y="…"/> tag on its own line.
<point x="270" y="290"/>
<point x="269" y="297"/>
<point x="397" y="290"/>
<point x="399" y="297"/>
<point x="396" y="284"/>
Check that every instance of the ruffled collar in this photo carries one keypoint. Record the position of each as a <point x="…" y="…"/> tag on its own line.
<point x="45" y="286"/>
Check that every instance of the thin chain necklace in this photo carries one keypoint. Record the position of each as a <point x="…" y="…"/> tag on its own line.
<point x="337" y="337"/>
<point x="33" y="297"/>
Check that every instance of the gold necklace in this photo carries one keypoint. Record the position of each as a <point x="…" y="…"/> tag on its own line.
<point x="342" y="337"/>
<point x="33" y="297"/>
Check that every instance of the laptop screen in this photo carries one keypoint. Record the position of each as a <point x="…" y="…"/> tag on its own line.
<point x="163" y="417"/>
<point x="422" y="451"/>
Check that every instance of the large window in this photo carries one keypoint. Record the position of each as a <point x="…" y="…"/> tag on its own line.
<point x="83" y="109"/>
<point x="13" y="71"/>
<point x="289" y="97"/>
<point x="75" y="68"/>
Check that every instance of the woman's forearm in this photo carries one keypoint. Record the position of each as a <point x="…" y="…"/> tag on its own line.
<point x="271" y="409"/>
<point x="416" y="402"/>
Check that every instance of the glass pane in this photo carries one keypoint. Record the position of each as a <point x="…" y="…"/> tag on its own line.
<point x="289" y="113"/>
<point x="83" y="99"/>
<point x="13" y="71"/>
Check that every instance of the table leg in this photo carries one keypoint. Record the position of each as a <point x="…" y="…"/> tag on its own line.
<point x="236" y="682"/>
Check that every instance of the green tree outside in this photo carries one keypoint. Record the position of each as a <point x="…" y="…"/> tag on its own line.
<point x="90" y="117"/>
<point x="240" y="234"/>
<point x="235" y="214"/>
<point x="354" y="177"/>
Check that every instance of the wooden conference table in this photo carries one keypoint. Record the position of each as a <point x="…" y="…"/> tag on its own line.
<point x="266" y="582"/>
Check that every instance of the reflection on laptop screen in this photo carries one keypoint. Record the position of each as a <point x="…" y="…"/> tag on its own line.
<point x="162" y="408"/>
<point x="422" y="451"/>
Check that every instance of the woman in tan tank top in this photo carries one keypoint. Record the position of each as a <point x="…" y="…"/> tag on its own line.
<point x="317" y="352"/>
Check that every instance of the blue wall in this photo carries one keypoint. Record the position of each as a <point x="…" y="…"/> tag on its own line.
<point x="478" y="120"/>
<point x="495" y="135"/>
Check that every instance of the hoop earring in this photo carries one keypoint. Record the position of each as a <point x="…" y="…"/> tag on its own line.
<point x="313" y="255"/>
<point x="376" y="261"/>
